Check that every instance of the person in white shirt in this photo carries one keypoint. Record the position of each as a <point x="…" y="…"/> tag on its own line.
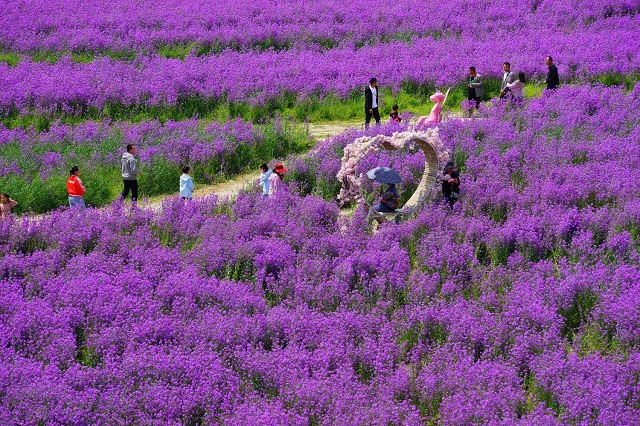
<point x="264" y="179"/>
<point x="517" y="88"/>
<point x="186" y="184"/>
<point x="371" y="102"/>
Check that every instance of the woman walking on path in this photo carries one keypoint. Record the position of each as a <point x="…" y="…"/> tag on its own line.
<point x="6" y="204"/>
<point x="276" y="185"/>
<point x="75" y="189"/>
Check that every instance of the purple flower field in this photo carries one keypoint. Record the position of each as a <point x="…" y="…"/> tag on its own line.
<point x="143" y="26"/>
<point x="521" y="305"/>
<point x="413" y="43"/>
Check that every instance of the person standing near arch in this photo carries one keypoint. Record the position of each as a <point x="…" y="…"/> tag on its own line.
<point x="371" y="102"/>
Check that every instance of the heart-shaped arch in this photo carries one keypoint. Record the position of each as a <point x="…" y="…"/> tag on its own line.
<point x="429" y="142"/>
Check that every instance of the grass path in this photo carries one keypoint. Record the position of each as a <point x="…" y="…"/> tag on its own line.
<point x="232" y="187"/>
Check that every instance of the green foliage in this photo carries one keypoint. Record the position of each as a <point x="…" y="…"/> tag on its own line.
<point x="597" y="338"/>
<point x="628" y="81"/>
<point x="577" y="313"/>
<point x="177" y="51"/>
<point x="11" y="59"/>
<point x="537" y="393"/>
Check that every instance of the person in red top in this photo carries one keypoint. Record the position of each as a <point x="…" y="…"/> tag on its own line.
<point x="76" y="189"/>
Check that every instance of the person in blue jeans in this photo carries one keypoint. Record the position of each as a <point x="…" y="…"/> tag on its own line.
<point x="390" y="200"/>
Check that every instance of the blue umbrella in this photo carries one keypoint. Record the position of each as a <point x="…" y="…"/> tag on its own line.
<point x="384" y="175"/>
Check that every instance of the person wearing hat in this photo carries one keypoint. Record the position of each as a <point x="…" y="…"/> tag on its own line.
<point x="435" y="116"/>
<point x="276" y="184"/>
<point x="450" y="183"/>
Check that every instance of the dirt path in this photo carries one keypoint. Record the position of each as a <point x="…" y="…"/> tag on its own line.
<point x="232" y="187"/>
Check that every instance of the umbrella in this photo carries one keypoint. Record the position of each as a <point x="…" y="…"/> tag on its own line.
<point x="384" y="175"/>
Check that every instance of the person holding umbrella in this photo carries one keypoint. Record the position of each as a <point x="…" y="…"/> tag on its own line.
<point x="390" y="199"/>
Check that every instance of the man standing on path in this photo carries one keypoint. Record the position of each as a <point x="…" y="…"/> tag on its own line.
<point x="371" y="102"/>
<point x="553" y="80"/>
<point x="130" y="174"/>
<point x="507" y="78"/>
<point x="475" y="89"/>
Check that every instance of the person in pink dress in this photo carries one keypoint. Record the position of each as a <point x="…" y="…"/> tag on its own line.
<point x="276" y="184"/>
<point x="6" y="204"/>
<point x="435" y="116"/>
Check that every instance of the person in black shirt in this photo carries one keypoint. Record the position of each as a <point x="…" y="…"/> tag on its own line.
<point x="450" y="184"/>
<point x="371" y="102"/>
<point x="553" y="80"/>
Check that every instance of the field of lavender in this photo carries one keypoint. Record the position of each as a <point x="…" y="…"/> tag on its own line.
<point x="521" y="305"/>
<point x="276" y="56"/>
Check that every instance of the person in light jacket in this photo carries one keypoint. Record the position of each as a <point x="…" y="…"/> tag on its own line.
<point x="508" y="77"/>
<point x="475" y="87"/>
<point x="130" y="173"/>
<point x="517" y="88"/>
<point x="265" y="174"/>
<point x="75" y="189"/>
<point x="186" y="184"/>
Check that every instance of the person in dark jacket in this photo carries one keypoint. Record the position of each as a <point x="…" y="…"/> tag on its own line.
<point x="389" y="200"/>
<point x="371" y="102"/>
<point x="553" y="80"/>
<point x="450" y="184"/>
<point x="395" y="115"/>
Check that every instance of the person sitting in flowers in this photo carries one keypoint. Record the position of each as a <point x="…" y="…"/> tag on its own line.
<point x="435" y="116"/>
<point x="390" y="199"/>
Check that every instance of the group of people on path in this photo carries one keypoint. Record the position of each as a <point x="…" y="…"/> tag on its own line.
<point x="511" y="87"/>
<point x="272" y="181"/>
